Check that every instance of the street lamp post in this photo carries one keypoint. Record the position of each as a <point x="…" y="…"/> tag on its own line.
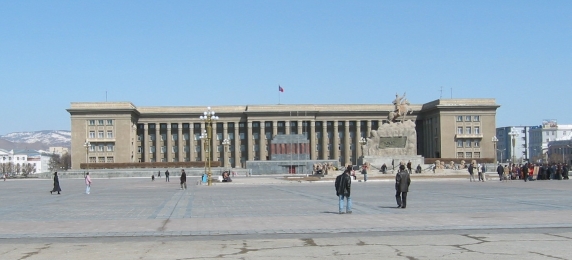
<point x="513" y="134"/>
<point x="87" y="145"/>
<point x="209" y="117"/>
<point x="495" y="140"/>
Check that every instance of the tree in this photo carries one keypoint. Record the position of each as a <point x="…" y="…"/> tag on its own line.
<point x="28" y="169"/>
<point x="55" y="162"/>
<point x="65" y="161"/>
<point x="18" y="168"/>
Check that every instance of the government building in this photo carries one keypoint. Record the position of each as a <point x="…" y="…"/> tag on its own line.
<point x="120" y="132"/>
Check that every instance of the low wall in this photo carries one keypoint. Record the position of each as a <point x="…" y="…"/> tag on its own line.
<point x="140" y="173"/>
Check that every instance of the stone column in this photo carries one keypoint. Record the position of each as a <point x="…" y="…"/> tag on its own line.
<point x="262" y="147"/>
<point x="274" y="128"/>
<point x="347" y="142"/>
<point x="299" y="125"/>
<point x="157" y="142"/>
<point x="312" y="138"/>
<point x="214" y="142"/>
<point x="192" y="156"/>
<point x="336" y="153"/>
<point x="145" y="144"/>
<point x="287" y="127"/>
<point x="237" y="153"/>
<point x="249" y="141"/>
<point x="168" y="144"/>
<point x="325" y="151"/>
<point x="225" y="155"/>
<point x="180" y="142"/>
<point x="368" y="128"/>
<point x="357" y="145"/>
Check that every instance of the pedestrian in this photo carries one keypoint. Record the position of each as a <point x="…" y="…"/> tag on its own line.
<point x="402" y="181"/>
<point x="167" y="176"/>
<point x="409" y="167"/>
<point x="56" y="184"/>
<point x="484" y="171"/>
<point x="4" y="175"/>
<point x="479" y="172"/>
<point x="183" y="180"/>
<point x="87" y="183"/>
<point x="383" y="169"/>
<point x="500" y="171"/>
<point x="343" y="186"/>
<point x="565" y="171"/>
<point x="471" y="173"/>
<point x="364" y="171"/>
<point x="159" y="174"/>
<point x="152" y="177"/>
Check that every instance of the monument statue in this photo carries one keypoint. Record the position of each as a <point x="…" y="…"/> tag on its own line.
<point x="401" y="108"/>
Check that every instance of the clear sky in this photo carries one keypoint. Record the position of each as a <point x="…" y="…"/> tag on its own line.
<point x="209" y="53"/>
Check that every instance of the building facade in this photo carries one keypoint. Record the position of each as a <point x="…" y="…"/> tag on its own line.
<point x="541" y="136"/>
<point x="506" y="151"/>
<point x="107" y="132"/>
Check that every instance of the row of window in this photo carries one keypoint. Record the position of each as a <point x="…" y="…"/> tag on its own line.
<point x="469" y="130"/>
<point x="101" y="134"/>
<point x="101" y="159"/>
<point x="101" y="147"/>
<point x="100" y="122"/>
<point x="219" y="136"/>
<point x="468" y="118"/>
<point x="468" y="154"/>
<point x="256" y="148"/>
<point x="9" y="158"/>
<point x="256" y="124"/>
<point x="468" y="143"/>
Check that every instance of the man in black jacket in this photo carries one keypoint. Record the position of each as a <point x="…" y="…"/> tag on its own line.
<point x="402" y="181"/>
<point x="500" y="171"/>
<point x="343" y="186"/>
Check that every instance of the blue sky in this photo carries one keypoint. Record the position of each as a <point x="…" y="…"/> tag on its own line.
<point x="209" y="53"/>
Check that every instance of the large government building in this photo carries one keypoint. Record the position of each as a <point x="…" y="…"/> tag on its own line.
<point x="120" y="132"/>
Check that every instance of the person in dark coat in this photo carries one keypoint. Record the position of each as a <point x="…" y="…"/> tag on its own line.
<point x="166" y="175"/>
<point x="183" y="180"/>
<point x="343" y="186"/>
<point x="500" y="171"/>
<point x="56" y="184"/>
<point x="402" y="181"/>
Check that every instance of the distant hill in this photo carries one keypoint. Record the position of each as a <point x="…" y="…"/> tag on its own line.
<point x="37" y="140"/>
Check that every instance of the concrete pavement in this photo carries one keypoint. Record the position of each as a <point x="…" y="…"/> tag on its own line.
<point x="269" y="218"/>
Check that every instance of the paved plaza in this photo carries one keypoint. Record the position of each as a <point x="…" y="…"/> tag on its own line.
<point x="270" y="218"/>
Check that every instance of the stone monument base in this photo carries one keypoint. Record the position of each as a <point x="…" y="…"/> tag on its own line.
<point x="377" y="161"/>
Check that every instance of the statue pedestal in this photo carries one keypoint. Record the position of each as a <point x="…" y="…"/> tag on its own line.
<point x="378" y="161"/>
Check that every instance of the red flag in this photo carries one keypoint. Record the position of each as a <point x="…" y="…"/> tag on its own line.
<point x="280" y="89"/>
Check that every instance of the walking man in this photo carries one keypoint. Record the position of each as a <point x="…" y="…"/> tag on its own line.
<point x="166" y="175"/>
<point x="500" y="171"/>
<point x="471" y="172"/>
<point x="402" y="181"/>
<point x="364" y="171"/>
<point x="183" y="180"/>
<point x="343" y="186"/>
<point x="87" y="183"/>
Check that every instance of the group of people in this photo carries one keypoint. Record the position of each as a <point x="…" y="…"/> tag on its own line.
<point x="58" y="189"/>
<point x="418" y="169"/>
<point x="343" y="185"/>
<point x="527" y="171"/>
<point x="480" y="169"/>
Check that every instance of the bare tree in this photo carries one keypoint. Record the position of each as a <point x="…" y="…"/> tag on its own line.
<point x="55" y="162"/>
<point x="65" y="161"/>
<point x="28" y="169"/>
<point x="18" y="168"/>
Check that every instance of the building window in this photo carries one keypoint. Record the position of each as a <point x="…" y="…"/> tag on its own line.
<point x="219" y="136"/>
<point x="109" y="122"/>
<point x="163" y="137"/>
<point x="268" y="135"/>
<point x="460" y="130"/>
<point x="468" y="119"/>
<point x="109" y="134"/>
<point x="174" y="149"/>
<point x="477" y="119"/>
<point x="139" y="137"/>
<point x="468" y="155"/>
<point x="185" y="136"/>
<point x="242" y="148"/>
<point x="139" y="149"/>
<point x="175" y="137"/>
<point x="255" y="136"/>
<point x="459" y="143"/>
<point x="477" y="143"/>
<point x="100" y="148"/>
<point x="186" y="149"/>
<point x="163" y="149"/>
<point x="242" y="136"/>
<point x="231" y="136"/>
<point x="477" y="155"/>
<point x="468" y="144"/>
<point x="100" y="134"/>
<point x="468" y="130"/>
<point x="92" y="148"/>
<point x="459" y="118"/>
<point x="110" y="147"/>
<point x="91" y="122"/>
<point x="477" y="130"/>
<point x="152" y="137"/>
<point x="152" y="149"/>
<point x="197" y="136"/>
<point x="100" y="122"/>
<point x="100" y="159"/>
<point x="460" y="155"/>
<point x="91" y="134"/>
<point x="268" y="124"/>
